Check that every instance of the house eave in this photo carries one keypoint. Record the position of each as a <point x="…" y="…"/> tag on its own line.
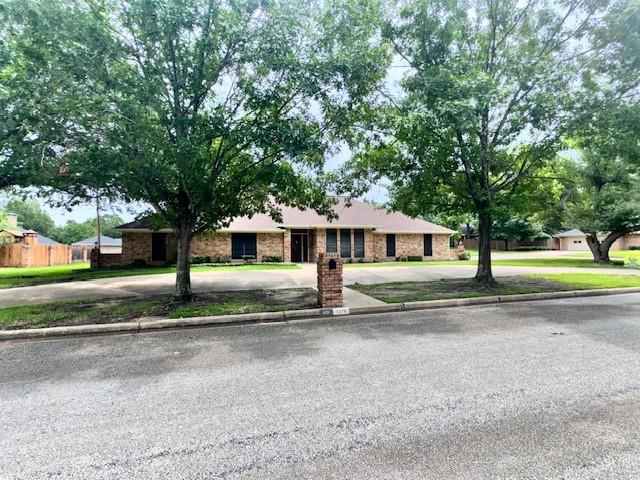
<point x="416" y="232"/>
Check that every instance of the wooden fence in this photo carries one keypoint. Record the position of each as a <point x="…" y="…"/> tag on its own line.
<point x="504" y="245"/>
<point x="35" y="255"/>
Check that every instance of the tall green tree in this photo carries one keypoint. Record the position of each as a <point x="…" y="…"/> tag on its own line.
<point x="204" y="109"/>
<point x="489" y="89"/>
<point x="74" y="231"/>
<point x="31" y="215"/>
<point x="606" y="201"/>
<point x="606" y="195"/>
<point x="108" y="224"/>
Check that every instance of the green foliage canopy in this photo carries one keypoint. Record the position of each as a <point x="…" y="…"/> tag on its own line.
<point x="31" y="215"/>
<point x="204" y="109"/>
<point x="488" y="94"/>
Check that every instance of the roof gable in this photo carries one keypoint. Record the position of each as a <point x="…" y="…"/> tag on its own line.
<point x="104" y="240"/>
<point x="574" y="232"/>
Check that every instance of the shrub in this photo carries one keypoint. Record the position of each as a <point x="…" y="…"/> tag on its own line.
<point x="360" y="260"/>
<point x="532" y="248"/>
<point x="632" y="263"/>
<point x="139" y="263"/>
<point x="634" y="247"/>
<point x="464" y="256"/>
<point x="199" y="259"/>
<point x="248" y="259"/>
<point x="272" y="259"/>
<point x="414" y="258"/>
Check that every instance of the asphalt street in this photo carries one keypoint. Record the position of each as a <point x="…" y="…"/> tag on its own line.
<point x="516" y="391"/>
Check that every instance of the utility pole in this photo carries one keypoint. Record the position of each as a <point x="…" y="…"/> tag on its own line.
<point x="98" y="223"/>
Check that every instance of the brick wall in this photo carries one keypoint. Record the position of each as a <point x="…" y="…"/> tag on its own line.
<point x="629" y="240"/>
<point x="212" y="244"/>
<point x="136" y="246"/>
<point x="105" y="260"/>
<point x="219" y="244"/>
<point x="270" y="244"/>
<point x="329" y="281"/>
<point x="412" y="244"/>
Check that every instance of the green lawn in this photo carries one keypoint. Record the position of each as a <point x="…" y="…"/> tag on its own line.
<point x="21" y="277"/>
<point x="134" y="309"/>
<point x="554" y="262"/>
<point x="400" y="292"/>
<point x="516" y="262"/>
<point x="625" y="255"/>
<point x="587" y="281"/>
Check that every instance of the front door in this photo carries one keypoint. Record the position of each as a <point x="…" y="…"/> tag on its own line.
<point x="158" y="247"/>
<point x="296" y="247"/>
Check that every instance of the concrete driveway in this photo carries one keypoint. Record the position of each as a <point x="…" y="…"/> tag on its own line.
<point x="122" y="287"/>
<point x="545" y="390"/>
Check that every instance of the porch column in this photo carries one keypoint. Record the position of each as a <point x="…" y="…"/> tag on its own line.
<point x="286" y="246"/>
<point x="320" y="243"/>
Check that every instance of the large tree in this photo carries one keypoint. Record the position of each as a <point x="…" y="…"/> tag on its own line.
<point x="74" y="231"/>
<point x="204" y="109"/>
<point x="488" y="90"/>
<point x="606" y="202"/>
<point x="31" y="215"/>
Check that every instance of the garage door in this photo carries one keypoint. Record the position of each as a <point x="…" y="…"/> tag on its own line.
<point x="577" y="244"/>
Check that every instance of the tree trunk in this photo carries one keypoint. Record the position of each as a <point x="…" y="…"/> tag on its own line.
<point x="484" y="274"/>
<point x="600" y="250"/>
<point x="183" y="291"/>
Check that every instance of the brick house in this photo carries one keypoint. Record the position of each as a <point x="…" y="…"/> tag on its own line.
<point x="576" y="240"/>
<point x="362" y="232"/>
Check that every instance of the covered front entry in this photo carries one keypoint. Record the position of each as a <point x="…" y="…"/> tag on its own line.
<point x="300" y="245"/>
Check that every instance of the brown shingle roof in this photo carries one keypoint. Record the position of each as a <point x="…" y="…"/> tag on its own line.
<point x="356" y="215"/>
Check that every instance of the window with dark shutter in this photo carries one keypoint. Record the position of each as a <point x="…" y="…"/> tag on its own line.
<point x="391" y="245"/>
<point x="358" y="243"/>
<point x="243" y="245"/>
<point x="345" y="243"/>
<point x="332" y="240"/>
<point x="428" y="245"/>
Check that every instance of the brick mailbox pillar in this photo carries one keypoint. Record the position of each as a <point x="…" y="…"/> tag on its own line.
<point x="329" y="281"/>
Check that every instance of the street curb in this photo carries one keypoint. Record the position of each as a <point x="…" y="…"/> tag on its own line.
<point x="295" y="315"/>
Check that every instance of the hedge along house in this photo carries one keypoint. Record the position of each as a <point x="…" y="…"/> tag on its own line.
<point x="362" y="232"/>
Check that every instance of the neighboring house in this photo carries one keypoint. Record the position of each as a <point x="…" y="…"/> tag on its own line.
<point x="107" y="244"/>
<point x="362" y="232"/>
<point x="573" y="240"/>
<point x="81" y="250"/>
<point x="26" y="248"/>
<point x="576" y="240"/>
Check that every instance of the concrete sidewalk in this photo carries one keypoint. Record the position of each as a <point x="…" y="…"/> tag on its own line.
<point x="211" y="281"/>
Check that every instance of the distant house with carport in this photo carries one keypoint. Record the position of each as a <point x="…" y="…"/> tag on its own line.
<point x="81" y="250"/>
